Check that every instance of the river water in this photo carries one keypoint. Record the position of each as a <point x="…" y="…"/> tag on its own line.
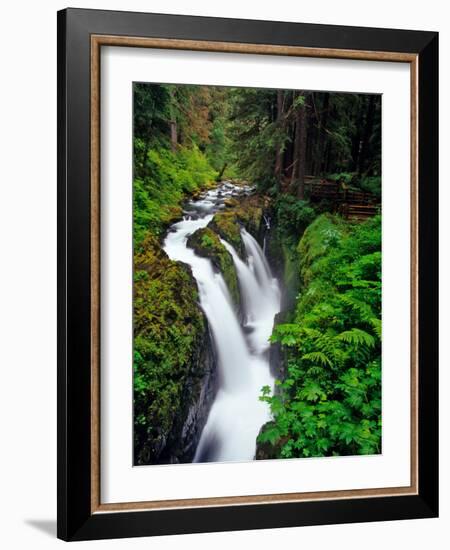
<point x="236" y="415"/>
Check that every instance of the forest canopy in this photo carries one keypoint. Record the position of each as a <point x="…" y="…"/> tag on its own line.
<point x="187" y="135"/>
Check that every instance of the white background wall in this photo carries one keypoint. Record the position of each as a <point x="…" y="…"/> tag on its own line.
<point x="28" y="274"/>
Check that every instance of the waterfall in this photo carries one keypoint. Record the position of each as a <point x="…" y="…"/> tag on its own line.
<point x="257" y="259"/>
<point x="250" y="292"/>
<point x="216" y="302"/>
<point x="259" y="291"/>
<point x="236" y="415"/>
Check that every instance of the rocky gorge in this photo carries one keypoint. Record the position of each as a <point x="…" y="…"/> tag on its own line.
<point x="208" y="274"/>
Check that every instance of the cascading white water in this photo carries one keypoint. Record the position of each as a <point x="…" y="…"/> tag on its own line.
<point x="258" y="261"/>
<point x="236" y="414"/>
<point x="259" y="292"/>
<point x="216" y="302"/>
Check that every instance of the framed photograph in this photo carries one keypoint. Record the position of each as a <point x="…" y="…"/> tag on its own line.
<point x="247" y="253"/>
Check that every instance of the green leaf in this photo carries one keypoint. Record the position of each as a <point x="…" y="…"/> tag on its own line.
<point x="312" y="392"/>
<point x="271" y="435"/>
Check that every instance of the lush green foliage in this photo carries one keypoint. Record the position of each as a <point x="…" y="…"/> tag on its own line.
<point x="371" y="184"/>
<point x="174" y="127"/>
<point x="254" y="133"/>
<point x="169" y="178"/>
<point x="171" y="126"/>
<point x="292" y="217"/>
<point x="353" y="180"/>
<point x="330" y="400"/>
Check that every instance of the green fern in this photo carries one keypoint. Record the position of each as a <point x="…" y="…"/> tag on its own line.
<point x="329" y="402"/>
<point x="318" y="357"/>
<point x="357" y="337"/>
<point x="376" y="324"/>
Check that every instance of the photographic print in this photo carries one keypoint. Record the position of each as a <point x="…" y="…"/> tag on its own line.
<point x="247" y="274"/>
<point x="257" y="273"/>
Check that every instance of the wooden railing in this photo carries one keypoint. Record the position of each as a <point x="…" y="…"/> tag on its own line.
<point x="349" y="203"/>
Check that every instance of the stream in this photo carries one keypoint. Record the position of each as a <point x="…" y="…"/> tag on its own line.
<point x="236" y="414"/>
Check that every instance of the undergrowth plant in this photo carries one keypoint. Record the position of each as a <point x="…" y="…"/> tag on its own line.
<point x="329" y="403"/>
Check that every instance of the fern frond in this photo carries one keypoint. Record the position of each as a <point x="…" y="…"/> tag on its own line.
<point x="357" y="337"/>
<point x="311" y="332"/>
<point x="376" y="323"/>
<point x="364" y="310"/>
<point x="318" y="357"/>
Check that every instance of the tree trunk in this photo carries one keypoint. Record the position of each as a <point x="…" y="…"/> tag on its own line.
<point x="144" y="157"/>
<point x="356" y="141"/>
<point x="147" y="139"/>
<point x="173" y="135"/>
<point x="322" y="127"/>
<point x="328" y="156"/>
<point x="301" y="131"/>
<point x="279" y="152"/>
<point x="295" y="153"/>
<point x="367" y="134"/>
<point x="302" y="120"/>
<point x="220" y="174"/>
<point x="173" y="122"/>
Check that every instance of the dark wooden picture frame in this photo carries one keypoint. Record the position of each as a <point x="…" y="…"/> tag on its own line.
<point x="81" y="34"/>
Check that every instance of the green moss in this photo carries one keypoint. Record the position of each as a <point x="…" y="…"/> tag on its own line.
<point x="247" y="213"/>
<point x="169" y="327"/>
<point x="231" y="203"/>
<point x="324" y="233"/>
<point x="227" y="226"/>
<point x="207" y="244"/>
<point x="290" y="272"/>
<point x="250" y="215"/>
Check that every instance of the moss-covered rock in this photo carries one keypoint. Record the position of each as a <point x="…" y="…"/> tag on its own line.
<point x="206" y="243"/>
<point x="247" y="212"/>
<point x="173" y="362"/>
<point x="325" y="233"/>
<point x="250" y="215"/>
<point x="226" y="225"/>
<point x="231" y="203"/>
